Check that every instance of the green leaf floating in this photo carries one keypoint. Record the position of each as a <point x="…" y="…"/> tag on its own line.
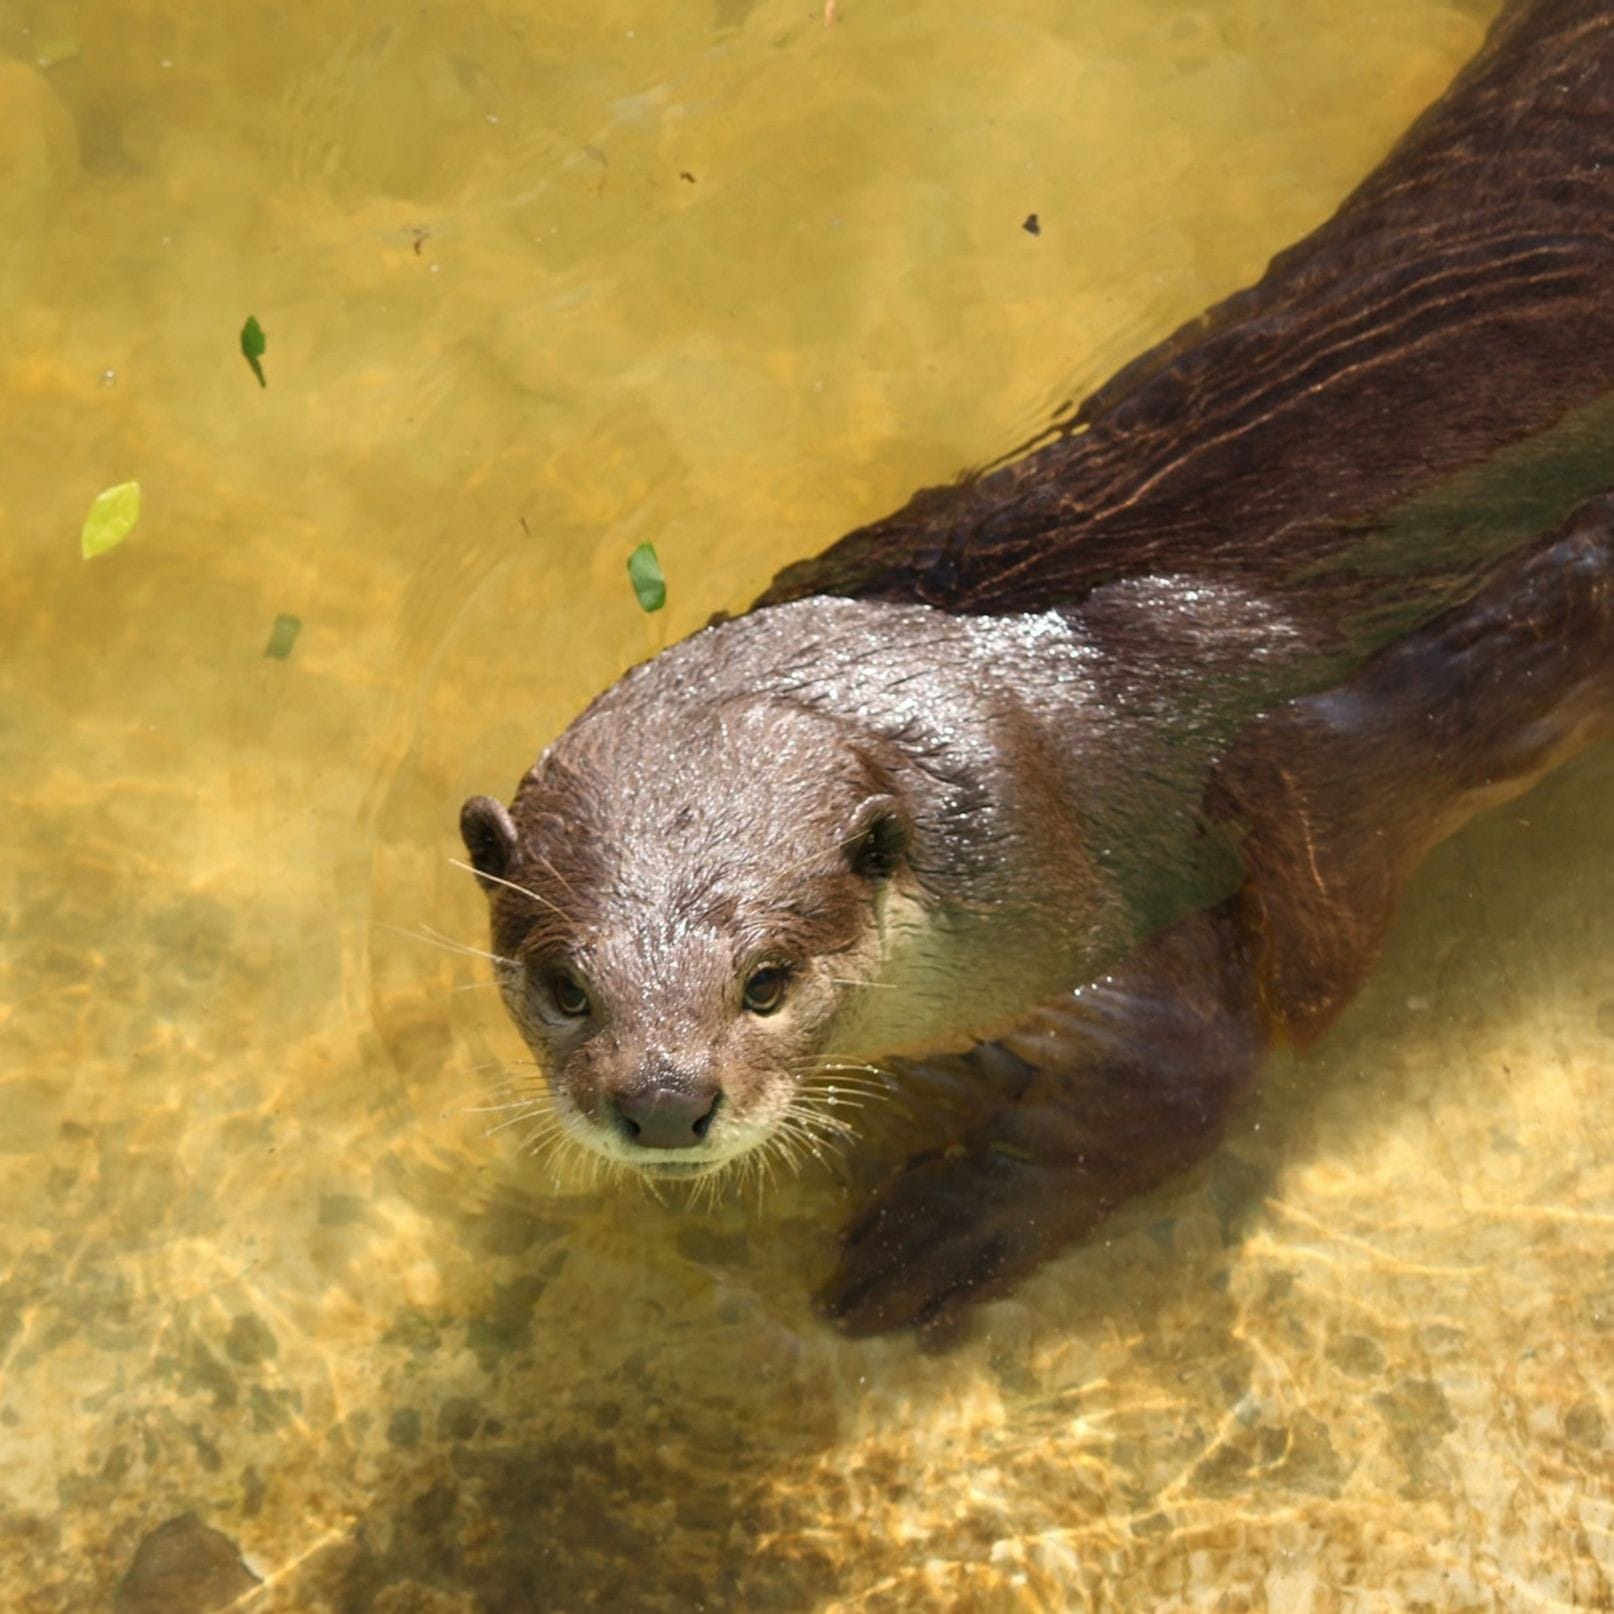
<point x="111" y="519"/>
<point x="253" y="342"/>
<point x="283" y="636"/>
<point x="644" y="572"/>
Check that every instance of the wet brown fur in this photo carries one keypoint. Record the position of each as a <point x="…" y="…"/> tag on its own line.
<point x="1390" y="462"/>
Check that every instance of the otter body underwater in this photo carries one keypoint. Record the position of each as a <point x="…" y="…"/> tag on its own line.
<point x="1080" y="785"/>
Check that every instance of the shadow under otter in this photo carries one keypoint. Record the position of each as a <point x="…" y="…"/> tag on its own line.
<point x="1078" y="786"/>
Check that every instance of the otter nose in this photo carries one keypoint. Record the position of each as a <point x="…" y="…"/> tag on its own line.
<point x="657" y="1116"/>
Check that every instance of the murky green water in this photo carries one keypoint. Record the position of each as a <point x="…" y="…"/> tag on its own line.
<point x="541" y="281"/>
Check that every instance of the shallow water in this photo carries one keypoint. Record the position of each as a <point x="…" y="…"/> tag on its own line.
<point x="541" y="282"/>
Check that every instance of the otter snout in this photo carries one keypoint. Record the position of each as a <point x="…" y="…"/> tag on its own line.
<point x="665" y="1109"/>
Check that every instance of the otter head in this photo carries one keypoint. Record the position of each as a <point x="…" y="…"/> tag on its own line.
<point x="682" y="902"/>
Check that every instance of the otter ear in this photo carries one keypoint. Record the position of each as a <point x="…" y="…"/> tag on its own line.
<point x="489" y="836"/>
<point x="877" y="837"/>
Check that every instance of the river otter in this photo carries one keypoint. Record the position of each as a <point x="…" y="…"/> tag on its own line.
<point x="1089" y="779"/>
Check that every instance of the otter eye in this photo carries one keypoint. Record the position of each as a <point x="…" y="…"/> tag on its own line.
<point x="567" y="993"/>
<point x="765" y="989"/>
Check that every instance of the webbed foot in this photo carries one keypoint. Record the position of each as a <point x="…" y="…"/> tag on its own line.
<point x="953" y="1229"/>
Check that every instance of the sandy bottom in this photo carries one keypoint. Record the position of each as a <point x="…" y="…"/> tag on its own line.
<point x="1365" y="1360"/>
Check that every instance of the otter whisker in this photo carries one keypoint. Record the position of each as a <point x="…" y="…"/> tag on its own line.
<point x="509" y="1098"/>
<point x="526" y="1081"/>
<point x="557" y="1147"/>
<point x="847" y="1076"/>
<point x="753" y="1174"/>
<point x="752" y="1184"/>
<point x="766" y="1163"/>
<point x="524" y="1113"/>
<point x="815" y="1124"/>
<point x="700" y="1194"/>
<point x="828" y="1105"/>
<point x="652" y="1186"/>
<point x="806" y="1128"/>
<point x="565" y="1156"/>
<point x="516" y="1087"/>
<point x="533" y="1081"/>
<point x="792" y="1151"/>
<point x="815" y="1128"/>
<point x="830" y="1082"/>
<point x="832" y="1088"/>
<point x="528" y="1103"/>
<point x="707" y="1190"/>
<point x="756" y="1161"/>
<point x="839" y="1062"/>
<point x="818" y="1149"/>
<point x="836" y="1081"/>
<point x="534" y="1106"/>
<point x="831" y="1160"/>
<point x="560" y="879"/>
<point x="545" y="1112"/>
<point x="543" y="902"/>
<point x="785" y="1150"/>
<point x="808" y="1105"/>
<point x="435" y="938"/>
<point x="841" y="1103"/>
<point x="540" y="1136"/>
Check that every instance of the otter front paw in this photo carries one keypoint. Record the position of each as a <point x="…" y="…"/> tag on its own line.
<point x="952" y="1230"/>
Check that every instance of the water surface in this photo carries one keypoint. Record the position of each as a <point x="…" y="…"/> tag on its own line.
<point x="542" y="281"/>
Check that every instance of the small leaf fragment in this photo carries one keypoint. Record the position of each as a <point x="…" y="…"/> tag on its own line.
<point x="644" y="572"/>
<point x="253" y="342"/>
<point x="283" y="635"/>
<point x="111" y="519"/>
